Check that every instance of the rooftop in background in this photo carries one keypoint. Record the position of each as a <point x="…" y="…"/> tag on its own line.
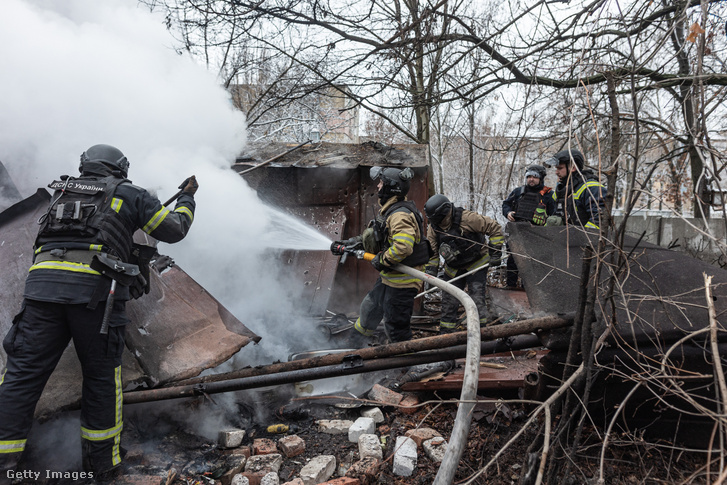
<point x="334" y="155"/>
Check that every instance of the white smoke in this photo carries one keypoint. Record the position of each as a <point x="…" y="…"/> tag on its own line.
<point x="81" y="72"/>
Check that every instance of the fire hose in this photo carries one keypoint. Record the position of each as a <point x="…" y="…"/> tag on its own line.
<point x="458" y="438"/>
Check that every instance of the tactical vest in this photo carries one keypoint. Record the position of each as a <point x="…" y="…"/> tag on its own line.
<point x="422" y="251"/>
<point x="468" y="245"/>
<point x="528" y="202"/>
<point x="81" y="212"/>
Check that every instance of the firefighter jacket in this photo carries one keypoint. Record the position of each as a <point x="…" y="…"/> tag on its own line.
<point x="92" y="214"/>
<point x="402" y="238"/>
<point x="524" y="201"/>
<point x="580" y="200"/>
<point x="476" y="239"/>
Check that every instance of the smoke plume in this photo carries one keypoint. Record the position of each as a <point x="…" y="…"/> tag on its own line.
<point x="81" y="72"/>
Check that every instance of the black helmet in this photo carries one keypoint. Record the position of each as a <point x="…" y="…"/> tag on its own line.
<point x="437" y="208"/>
<point x="396" y="181"/>
<point x="107" y="155"/>
<point x="535" y="171"/>
<point x="565" y="156"/>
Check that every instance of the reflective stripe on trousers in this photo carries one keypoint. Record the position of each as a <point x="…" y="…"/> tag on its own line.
<point x="115" y="431"/>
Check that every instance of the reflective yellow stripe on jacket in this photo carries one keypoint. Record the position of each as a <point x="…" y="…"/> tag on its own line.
<point x="155" y="220"/>
<point x="65" y="266"/>
<point x="400" y="237"/>
<point x="185" y="210"/>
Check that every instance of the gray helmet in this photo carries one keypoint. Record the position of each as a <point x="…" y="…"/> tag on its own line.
<point x="396" y="181"/>
<point x="565" y="156"/>
<point x="107" y="155"/>
<point x="535" y="170"/>
<point x="437" y="208"/>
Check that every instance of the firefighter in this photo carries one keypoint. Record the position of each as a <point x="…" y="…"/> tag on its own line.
<point x="533" y="203"/>
<point x="466" y="241"/>
<point x="83" y="250"/>
<point x="395" y="236"/>
<point x="579" y="197"/>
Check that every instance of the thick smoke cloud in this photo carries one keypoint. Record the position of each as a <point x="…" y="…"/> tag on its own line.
<point x="81" y="72"/>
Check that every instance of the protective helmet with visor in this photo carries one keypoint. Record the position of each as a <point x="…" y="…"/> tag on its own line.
<point x="396" y="182"/>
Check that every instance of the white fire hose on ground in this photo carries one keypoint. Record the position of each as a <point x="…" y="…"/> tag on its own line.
<point x="460" y="430"/>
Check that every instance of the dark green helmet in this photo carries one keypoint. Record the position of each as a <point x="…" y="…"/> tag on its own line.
<point x="107" y="155"/>
<point x="566" y="156"/>
<point x="437" y="208"/>
<point x="396" y="181"/>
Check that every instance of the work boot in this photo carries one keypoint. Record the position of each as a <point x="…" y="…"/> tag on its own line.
<point x="357" y="340"/>
<point x="446" y="330"/>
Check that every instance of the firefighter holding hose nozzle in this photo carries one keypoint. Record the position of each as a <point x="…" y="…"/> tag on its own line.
<point x="84" y="270"/>
<point x="395" y="236"/>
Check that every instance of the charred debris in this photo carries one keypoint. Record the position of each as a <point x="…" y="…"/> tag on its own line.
<point x="621" y="342"/>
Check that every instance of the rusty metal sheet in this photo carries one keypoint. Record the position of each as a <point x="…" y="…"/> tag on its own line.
<point x="189" y="330"/>
<point x="663" y="294"/>
<point x="179" y="329"/>
<point x="517" y="364"/>
<point x="304" y="178"/>
<point x="510" y="303"/>
<point x="315" y="270"/>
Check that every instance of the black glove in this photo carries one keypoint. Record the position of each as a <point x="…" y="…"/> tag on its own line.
<point x="189" y="186"/>
<point x="140" y="286"/>
<point x="378" y="262"/>
<point x="495" y="257"/>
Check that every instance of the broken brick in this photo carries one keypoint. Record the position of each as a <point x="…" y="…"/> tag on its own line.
<point x="242" y="451"/>
<point x="231" y="438"/>
<point x="420" y="435"/>
<point x="408" y="404"/>
<point x="343" y="481"/>
<point x="334" y="426"/>
<point x="387" y="396"/>
<point x="366" y="470"/>
<point x="291" y="446"/>
<point x="254" y="478"/>
<point x="264" y="446"/>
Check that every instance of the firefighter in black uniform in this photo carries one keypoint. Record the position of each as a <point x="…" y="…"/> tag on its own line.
<point x="466" y="241"/>
<point x="395" y="236"/>
<point x="83" y="263"/>
<point x="533" y="203"/>
<point x="579" y="197"/>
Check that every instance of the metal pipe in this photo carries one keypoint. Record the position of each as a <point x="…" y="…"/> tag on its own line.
<point x="458" y="438"/>
<point x="494" y="332"/>
<point x="352" y="364"/>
